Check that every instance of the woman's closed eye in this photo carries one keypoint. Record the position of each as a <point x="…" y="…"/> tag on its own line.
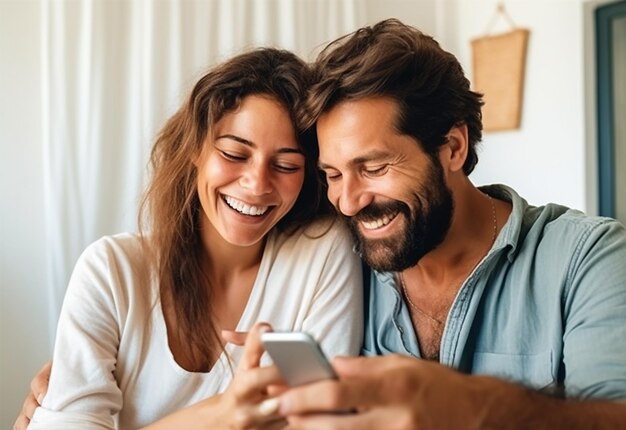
<point x="287" y="168"/>
<point x="233" y="156"/>
<point x="291" y="163"/>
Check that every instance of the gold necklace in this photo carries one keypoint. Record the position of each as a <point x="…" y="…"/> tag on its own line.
<point x="413" y="305"/>
<point x="403" y="284"/>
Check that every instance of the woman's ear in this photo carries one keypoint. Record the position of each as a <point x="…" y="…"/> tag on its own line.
<point x="198" y="157"/>
<point x="454" y="152"/>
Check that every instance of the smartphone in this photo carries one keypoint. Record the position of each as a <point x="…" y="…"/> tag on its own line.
<point x="298" y="357"/>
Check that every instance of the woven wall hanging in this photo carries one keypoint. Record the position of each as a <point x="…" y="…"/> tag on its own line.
<point x="499" y="63"/>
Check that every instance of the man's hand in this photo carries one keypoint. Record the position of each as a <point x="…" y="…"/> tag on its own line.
<point x="397" y="392"/>
<point x="38" y="389"/>
<point x="392" y="392"/>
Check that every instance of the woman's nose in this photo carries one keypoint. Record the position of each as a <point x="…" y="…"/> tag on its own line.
<point x="257" y="179"/>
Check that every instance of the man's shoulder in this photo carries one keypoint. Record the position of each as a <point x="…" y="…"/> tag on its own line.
<point x="560" y="239"/>
<point x="561" y="220"/>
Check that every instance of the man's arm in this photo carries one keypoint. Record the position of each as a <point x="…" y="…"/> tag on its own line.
<point x="406" y="393"/>
<point x="38" y="388"/>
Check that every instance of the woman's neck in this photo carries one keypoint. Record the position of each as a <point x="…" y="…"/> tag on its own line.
<point x="223" y="261"/>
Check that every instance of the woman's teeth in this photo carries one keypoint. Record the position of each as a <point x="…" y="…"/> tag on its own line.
<point x="244" y="208"/>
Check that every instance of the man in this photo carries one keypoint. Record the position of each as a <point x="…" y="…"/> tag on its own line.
<point x="517" y="313"/>
<point x="465" y="278"/>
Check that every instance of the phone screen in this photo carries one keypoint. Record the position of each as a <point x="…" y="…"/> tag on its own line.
<point x="298" y="357"/>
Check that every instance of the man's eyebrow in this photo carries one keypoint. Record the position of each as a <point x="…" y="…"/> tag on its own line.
<point x="283" y="150"/>
<point x="375" y="155"/>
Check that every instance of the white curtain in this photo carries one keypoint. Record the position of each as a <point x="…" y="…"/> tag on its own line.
<point x="113" y="71"/>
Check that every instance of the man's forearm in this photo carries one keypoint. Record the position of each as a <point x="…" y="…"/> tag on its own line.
<point x="512" y="407"/>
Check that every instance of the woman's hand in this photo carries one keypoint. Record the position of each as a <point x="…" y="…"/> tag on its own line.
<point x="247" y="400"/>
<point x="246" y="404"/>
<point x="38" y="389"/>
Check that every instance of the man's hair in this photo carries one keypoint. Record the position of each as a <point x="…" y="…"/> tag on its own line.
<point x="391" y="59"/>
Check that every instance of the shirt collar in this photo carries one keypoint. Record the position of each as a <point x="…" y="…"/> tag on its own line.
<point x="510" y="234"/>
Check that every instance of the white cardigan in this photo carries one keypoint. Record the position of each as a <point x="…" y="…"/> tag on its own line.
<point x="113" y="368"/>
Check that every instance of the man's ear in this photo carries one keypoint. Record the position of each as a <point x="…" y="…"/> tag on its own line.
<point x="454" y="152"/>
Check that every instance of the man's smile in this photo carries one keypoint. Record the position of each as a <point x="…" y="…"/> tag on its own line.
<point x="379" y="222"/>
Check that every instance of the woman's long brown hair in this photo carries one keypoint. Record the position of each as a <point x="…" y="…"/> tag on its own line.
<point x="170" y="210"/>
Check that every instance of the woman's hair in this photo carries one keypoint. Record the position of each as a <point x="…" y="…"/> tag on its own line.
<point x="171" y="209"/>
<point x="391" y="59"/>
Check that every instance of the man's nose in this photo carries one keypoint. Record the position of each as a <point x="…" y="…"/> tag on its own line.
<point x="257" y="179"/>
<point x="352" y="197"/>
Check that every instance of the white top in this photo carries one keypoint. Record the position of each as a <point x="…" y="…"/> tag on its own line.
<point x="112" y="364"/>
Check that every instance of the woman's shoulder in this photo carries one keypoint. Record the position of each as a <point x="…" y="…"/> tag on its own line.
<point x="124" y="253"/>
<point x="118" y="246"/>
<point x="320" y="234"/>
<point x="113" y="268"/>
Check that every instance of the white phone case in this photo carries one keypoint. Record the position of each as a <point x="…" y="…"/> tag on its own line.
<point x="298" y="357"/>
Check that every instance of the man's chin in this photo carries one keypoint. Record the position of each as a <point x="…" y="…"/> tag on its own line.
<point x="380" y="257"/>
<point x="389" y="255"/>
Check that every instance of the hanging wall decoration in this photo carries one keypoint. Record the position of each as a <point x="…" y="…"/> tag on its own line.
<point x="499" y="63"/>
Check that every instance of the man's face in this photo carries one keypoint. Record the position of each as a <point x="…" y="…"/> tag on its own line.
<point x="392" y="194"/>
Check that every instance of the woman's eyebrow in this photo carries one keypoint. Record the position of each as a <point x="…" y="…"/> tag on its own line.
<point x="287" y="150"/>
<point x="283" y="150"/>
<point x="236" y="139"/>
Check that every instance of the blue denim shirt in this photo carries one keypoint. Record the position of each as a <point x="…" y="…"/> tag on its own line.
<point x="546" y="307"/>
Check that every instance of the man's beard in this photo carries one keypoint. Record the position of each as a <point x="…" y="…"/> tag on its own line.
<point x="426" y="227"/>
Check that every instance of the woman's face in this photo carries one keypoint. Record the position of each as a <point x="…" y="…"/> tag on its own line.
<point x="250" y="171"/>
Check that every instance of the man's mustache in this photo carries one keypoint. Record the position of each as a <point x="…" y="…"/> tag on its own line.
<point x="376" y="211"/>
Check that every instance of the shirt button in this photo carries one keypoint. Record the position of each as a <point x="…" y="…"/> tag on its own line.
<point x="400" y="329"/>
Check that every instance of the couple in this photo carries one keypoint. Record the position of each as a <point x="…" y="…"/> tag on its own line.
<point x="531" y="301"/>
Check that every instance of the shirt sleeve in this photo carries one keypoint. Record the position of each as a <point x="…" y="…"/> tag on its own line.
<point x="336" y="313"/>
<point x="594" y="337"/>
<point x="83" y="393"/>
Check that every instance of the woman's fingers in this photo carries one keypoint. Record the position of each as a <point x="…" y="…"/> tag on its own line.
<point x="254" y="408"/>
<point x="253" y="348"/>
<point x="235" y="337"/>
<point x="263" y="415"/>
<point x="251" y="385"/>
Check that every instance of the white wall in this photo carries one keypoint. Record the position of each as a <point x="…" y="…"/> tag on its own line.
<point x="24" y="343"/>
<point x="545" y="160"/>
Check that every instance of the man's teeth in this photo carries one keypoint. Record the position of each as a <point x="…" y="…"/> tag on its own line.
<point x="378" y="223"/>
<point x="243" y="208"/>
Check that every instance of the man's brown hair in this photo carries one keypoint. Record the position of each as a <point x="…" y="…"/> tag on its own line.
<point x="391" y="59"/>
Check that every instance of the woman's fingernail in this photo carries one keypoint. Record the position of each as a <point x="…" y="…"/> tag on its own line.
<point x="269" y="406"/>
<point x="40" y="398"/>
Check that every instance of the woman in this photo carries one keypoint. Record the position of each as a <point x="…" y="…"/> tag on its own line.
<point x="228" y="239"/>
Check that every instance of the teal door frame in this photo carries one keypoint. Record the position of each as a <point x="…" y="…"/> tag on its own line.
<point x="604" y="17"/>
